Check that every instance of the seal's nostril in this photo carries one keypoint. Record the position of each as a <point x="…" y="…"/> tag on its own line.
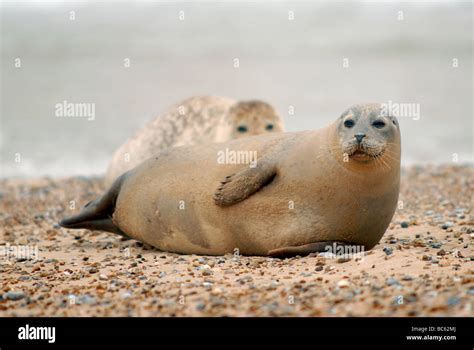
<point x="359" y="137"/>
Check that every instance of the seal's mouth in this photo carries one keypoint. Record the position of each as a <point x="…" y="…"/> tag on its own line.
<point x="364" y="151"/>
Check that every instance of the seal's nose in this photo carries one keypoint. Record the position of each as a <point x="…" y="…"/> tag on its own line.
<point x="359" y="137"/>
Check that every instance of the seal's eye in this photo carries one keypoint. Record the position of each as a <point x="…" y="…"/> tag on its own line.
<point x="379" y="124"/>
<point x="349" y="123"/>
<point x="269" y="127"/>
<point x="242" y="128"/>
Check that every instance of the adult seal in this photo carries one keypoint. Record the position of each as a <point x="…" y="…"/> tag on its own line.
<point x="306" y="191"/>
<point x="196" y="120"/>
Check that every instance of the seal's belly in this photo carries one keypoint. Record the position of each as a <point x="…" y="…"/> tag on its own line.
<point x="191" y="223"/>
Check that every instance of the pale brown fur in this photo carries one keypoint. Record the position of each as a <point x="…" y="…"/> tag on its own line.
<point x="197" y="120"/>
<point x="302" y="192"/>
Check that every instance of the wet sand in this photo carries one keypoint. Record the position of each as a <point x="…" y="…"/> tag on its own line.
<point x="423" y="266"/>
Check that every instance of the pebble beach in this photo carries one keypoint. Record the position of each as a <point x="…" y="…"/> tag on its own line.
<point x="423" y="266"/>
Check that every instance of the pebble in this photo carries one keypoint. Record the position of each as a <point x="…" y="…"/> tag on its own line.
<point x="442" y="252"/>
<point x="392" y="281"/>
<point x="12" y="295"/>
<point x="85" y="299"/>
<point x="447" y="225"/>
<point x="404" y="224"/>
<point x="343" y="284"/>
<point x="388" y="250"/>
<point x="200" y="306"/>
<point x="126" y="295"/>
<point x="207" y="272"/>
<point x="453" y="301"/>
<point x="103" y="277"/>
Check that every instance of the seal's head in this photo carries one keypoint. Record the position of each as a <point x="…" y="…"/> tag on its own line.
<point x="254" y="118"/>
<point x="367" y="133"/>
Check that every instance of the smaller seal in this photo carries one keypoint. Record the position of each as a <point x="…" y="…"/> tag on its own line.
<point x="197" y="120"/>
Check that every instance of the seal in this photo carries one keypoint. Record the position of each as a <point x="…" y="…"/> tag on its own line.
<point x="202" y="119"/>
<point x="307" y="190"/>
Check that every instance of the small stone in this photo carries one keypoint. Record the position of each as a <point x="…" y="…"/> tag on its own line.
<point x="207" y="285"/>
<point x="426" y="257"/>
<point x="436" y="245"/>
<point x="407" y="278"/>
<point x="126" y="295"/>
<point x="162" y="274"/>
<point x="444" y="263"/>
<point x="447" y="225"/>
<point x="12" y="295"/>
<point x="103" y="277"/>
<point x="453" y="301"/>
<point x="343" y="284"/>
<point x="206" y="272"/>
<point x="319" y="268"/>
<point x="388" y="250"/>
<point x="86" y="299"/>
<point x="200" y="306"/>
<point x="392" y="281"/>
<point x="442" y="252"/>
<point x="404" y="224"/>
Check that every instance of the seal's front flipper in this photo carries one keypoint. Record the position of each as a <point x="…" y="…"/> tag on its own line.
<point x="239" y="186"/>
<point x="97" y="214"/>
<point x="305" y="249"/>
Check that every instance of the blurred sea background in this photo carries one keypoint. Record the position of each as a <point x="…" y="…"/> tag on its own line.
<point x="285" y="62"/>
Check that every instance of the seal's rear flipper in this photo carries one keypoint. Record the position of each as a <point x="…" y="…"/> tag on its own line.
<point x="97" y="214"/>
<point x="305" y="249"/>
<point x="237" y="187"/>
